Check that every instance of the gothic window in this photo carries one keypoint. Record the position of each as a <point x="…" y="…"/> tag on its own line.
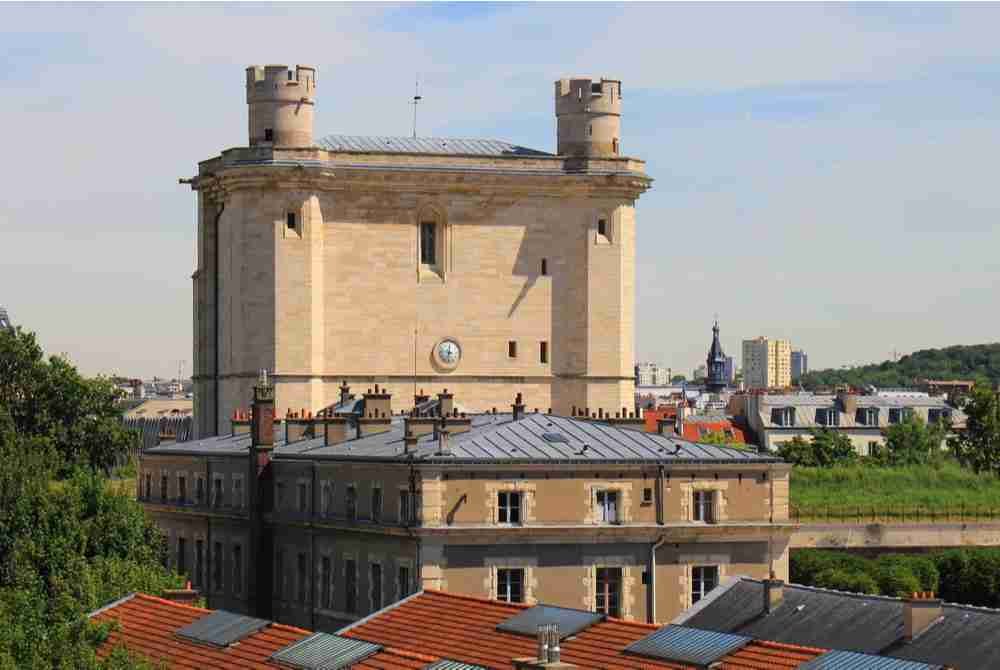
<point x="428" y="242"/>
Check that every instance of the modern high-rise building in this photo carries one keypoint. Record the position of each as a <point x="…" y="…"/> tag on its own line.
<point x="477" y="265"/>
<point x="651" y="374"/>
<point x="800" y="364"/>
<point x="767" y="363"/>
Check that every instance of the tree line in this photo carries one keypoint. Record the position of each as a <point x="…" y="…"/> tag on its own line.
<point x="71" y="538"/>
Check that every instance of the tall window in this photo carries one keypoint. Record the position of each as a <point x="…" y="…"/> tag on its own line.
<point x="509" y="507"/>
<point x="200" y="491"/>
<point x="182" y="490"/>
<point x="783" y="416"/>
<point x="614" y="145"/>
<point x="217" y="562"/>
<point x="237" y="569"/>
<point x="268" y="134"/>
<point x="866" y="416"/>
<point x="609" y="591"/>
<point x="291" y="221"/>
<point x="300" y="577"/>
<point x="405" y="513"/>
<point x="328" y="499"/>
<point x="279" y="495"/>
<point x="704" y="506"/>
<point x="376" y="587"/>
<point x="602" y="228"/>
<point x="325" y="575"/>
<point x="428" y="243"/>
<point x="279" y="573"/>
<point x="512" y="349"/>
<point x="199" y="563"/>
<point x="303" y="498"/>
<point x="510" y="585"/>
<point x="704" y="578"/>
<point x="181" y="555"/>
<point x="163" y="488"/>
<point x="607" y="506"/>
<point x="351" y="585"/>
<point x="543" y="352"/>
<point x="238" y="491"/>
<point x="376" y="504"/>
<point x="351" y="502"/>
<point x="827" y="416"/>
<point x="217" y="492"/>
<point x="899" y="414"/>
<point x="149" y="485"/>
<point x="545" y="267"/>
<point x="404" y="581"/>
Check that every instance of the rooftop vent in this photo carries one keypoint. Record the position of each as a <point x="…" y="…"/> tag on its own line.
<point x="222" y="628"/>
<point x="687" y="645"/>
<point x="570" y="621"/>
<point x="554" y="437"/>
<point x="323" y="651"/>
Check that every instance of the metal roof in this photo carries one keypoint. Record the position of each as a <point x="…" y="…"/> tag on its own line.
<point x="222" y="628"/>
<point x="570" y="621"/>
<point x="964" y="637"/>
<point x="445" y="664"/>
<point x="850" y="660"/>
<point x="324" y="651"/>
<point x="384" y="144"/>
<point x="687" y="645"/>
<point x="497" y="438"/>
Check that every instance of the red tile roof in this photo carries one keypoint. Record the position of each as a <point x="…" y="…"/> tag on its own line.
<point x="414" y="633"/>
<point x="696" y="430"/>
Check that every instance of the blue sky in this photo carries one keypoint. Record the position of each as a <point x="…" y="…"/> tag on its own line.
<point x="825" y="173"/>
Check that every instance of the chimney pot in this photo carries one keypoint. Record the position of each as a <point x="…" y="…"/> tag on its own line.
<point x="920" y="612"/>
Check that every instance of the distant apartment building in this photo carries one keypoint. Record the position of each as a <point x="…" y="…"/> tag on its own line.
<point x="700" y="372"/>
<point x="729" y="370"/>
<point x="651" y="374"/>
<point x="777" y="419"/>
<point x="800" y="364"/>
<point x="321" y="521"/>
<point x="767" y="363"/>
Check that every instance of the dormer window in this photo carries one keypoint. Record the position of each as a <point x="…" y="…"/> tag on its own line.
<point x="866" y="416"/>
<point x="827" y="416"/>
<point x="937" y="415"/>
<point x="595" y="88"/>
<point x="899" y="414"/>
<point x="783" y="416"/>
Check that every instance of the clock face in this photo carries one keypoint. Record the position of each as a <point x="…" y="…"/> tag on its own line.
<point x="449" y="352"/>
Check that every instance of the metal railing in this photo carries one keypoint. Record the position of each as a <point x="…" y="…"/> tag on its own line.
<point x="856" y="514"/>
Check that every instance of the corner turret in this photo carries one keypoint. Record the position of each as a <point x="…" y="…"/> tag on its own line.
<point x="281" y="102"/>
<point x="588" y="117"/>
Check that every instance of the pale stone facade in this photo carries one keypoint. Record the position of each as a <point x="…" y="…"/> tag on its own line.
<point x="310" y="262"/>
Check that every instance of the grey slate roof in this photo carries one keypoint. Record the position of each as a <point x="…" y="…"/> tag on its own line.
<point x="383" y="144"/>
<point x="965" y="637"/>
<point x="497" y="438"/>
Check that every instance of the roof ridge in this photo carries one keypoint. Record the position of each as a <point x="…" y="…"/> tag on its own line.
<point x="410" y="654"/>
<point x="172" y="603"/>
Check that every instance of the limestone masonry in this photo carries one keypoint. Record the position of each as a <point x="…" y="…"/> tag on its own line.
<point x="416" y="263"/>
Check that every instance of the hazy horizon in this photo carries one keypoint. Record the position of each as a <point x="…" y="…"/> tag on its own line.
<point x="823" y="173"/>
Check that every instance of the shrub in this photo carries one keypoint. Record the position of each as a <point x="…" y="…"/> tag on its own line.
<point x="842" y="580"/>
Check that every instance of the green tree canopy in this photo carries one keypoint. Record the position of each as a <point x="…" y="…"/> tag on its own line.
<point x="978" y="446"/>
<point x="912" y="441"/>
<point x="50" y="403"/>
<point x="825" y="448"/>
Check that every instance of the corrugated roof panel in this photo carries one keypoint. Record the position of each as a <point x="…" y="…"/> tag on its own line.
<point x="445" y="664"/>
<point x="687" y="645"/>
<point x="324" y="651"/>
<point x="852" y="660"/>
<point x="424" y="145"/>
<point x="570" y="621"/>
<point x="222" y="628"/>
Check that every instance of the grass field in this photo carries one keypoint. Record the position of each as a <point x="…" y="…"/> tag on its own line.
<point x="947" y="488"/>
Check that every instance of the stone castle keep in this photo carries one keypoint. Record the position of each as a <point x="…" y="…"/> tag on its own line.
<point x="478" y="266"/>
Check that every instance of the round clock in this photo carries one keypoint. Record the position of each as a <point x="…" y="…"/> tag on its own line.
<point x="447" y="352"/>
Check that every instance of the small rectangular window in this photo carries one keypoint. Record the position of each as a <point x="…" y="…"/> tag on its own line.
<point x="376" y="587"/>
<point x="404" y="581"/>
<point x="602" y="227"/>
<point x="543" y="352"/>
<point x="510" y="585"/>
<point x="512" y="349"/>
<point x="405" y="512"/>
<point x="428" y="243"/>
<point x="376" y="504"/>
<point x="545" y="267"/>
<point x="609" y="591"/>
<point x="704" y="506"/>
<point x="268" y="135"/>
<point x="291" y="221"/>
<point x="509" y="507"/>
<point x="351" y="503"/>
<point x="238" y="491"/>
<point x="237" y="569"/>
<point x="704" y="578"/>
<point x="647" y="495"/>
<point x="200" y="490"/>
<point x="350" y="585"/>
<point x="324" y="575"/>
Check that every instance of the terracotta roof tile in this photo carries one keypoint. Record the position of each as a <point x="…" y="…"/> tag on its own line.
<point x="764" y="655"/>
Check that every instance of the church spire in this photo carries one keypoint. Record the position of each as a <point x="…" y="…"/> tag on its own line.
<point x="716" y="362"/>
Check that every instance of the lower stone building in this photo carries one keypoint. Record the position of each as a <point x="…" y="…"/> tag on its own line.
<point x="319" y="521"/>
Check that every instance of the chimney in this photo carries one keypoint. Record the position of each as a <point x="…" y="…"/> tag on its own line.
<point x="378" y="403"/>
<point x="262" y="419"/>
<point x="240" y="423"/>
<point x="345" y="392"/>
<point x="543" y="643"/>
<point x="409" y="440"/>
<point x="774" y="591"/>
<point x="920" y="611"/>
<point x="446" y="403"/>
<point x="335" y="429"/>
<point x="185" y="596"/>
<point x="420" y="398"/>
<point x="848" y="402"/>
<point x="554" y="651"/>
<point x="518" y="407"/>
<point x="662" y="425"/>
<point x="444" y="449"/>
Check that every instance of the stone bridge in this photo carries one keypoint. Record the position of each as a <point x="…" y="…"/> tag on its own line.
<point x="896" y="536"/>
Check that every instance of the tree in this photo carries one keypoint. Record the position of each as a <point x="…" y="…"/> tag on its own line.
<point x="912" y="441"/>
<point x="797" y="451"/>
<point x="827" y="447"/>
<point x="51" y="403"/>
<point x="978" y="446"/>
<point x="844" y="580"/>
<point x="719" y="438"/>
<point x="678" y="379"/>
